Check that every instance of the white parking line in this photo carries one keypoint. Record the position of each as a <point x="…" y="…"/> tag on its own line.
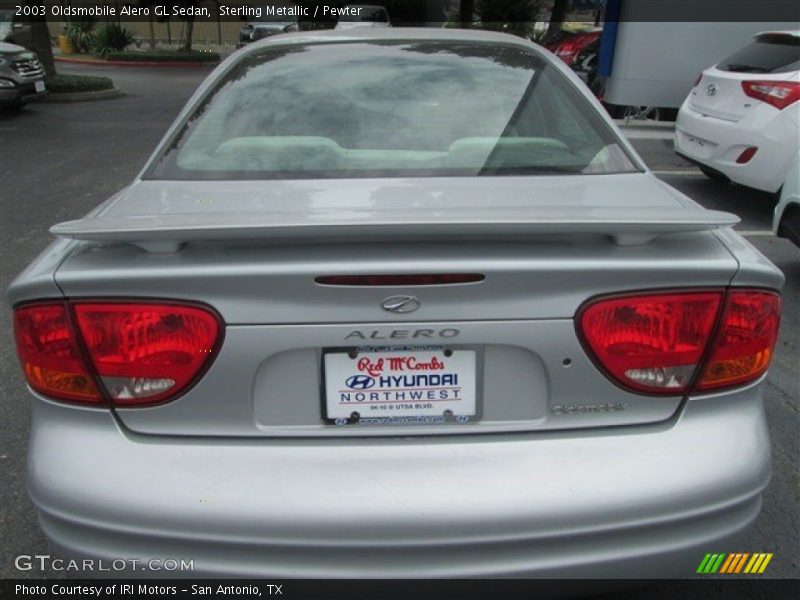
<point x="754" y="233"/>
<point x="683" y="173"/>
<point x="639" y="134"/>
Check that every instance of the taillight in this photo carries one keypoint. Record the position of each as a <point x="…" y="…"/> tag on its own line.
<point x="652" y="343"/>
<point x="657" y="343"/>
<point x="744" y="344"/>
<point x="697" y="80"/>
<point x="49" y="353"/>
<point x="747" y="154"/>
<point x="134" y="353"/>
<point x="779" y="94"/>
<point x="567" y="52"/>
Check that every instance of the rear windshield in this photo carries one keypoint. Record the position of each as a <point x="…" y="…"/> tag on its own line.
<point x="350" y="110"/>
<point x="770" y="53"/>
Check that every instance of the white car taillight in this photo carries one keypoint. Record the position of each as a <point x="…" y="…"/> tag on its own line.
<point x="779" y="94"/>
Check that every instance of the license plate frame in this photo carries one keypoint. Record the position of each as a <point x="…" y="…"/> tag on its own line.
<point x="401" y="417"/>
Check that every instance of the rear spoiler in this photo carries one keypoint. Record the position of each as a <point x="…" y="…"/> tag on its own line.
<point x="626" y="226"/>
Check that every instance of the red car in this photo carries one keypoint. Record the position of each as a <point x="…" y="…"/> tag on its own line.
<point x="568" y="45"/>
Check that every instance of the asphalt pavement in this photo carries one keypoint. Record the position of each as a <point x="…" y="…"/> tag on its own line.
<point x="58" y="161"/>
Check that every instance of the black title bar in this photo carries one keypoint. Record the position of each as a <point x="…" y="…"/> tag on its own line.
<point x="409" y="12"/>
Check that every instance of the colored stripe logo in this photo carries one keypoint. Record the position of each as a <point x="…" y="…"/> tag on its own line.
<point x="735" y="563"/>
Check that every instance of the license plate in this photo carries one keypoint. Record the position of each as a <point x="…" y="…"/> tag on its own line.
<point x="391" y="387"/>
<point x="38" y="86"/>
<point x="698" y="147"/>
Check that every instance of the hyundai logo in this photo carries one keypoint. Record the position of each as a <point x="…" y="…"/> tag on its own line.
<point x="400" y="305"/>
<point x="360" y="382"/>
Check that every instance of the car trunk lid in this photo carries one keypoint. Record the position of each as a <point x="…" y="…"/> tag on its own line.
<point x="719" y="94"/>
<point x="516" y="324"/>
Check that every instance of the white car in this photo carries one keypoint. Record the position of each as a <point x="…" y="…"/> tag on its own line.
<point x="786" y="220"/>
<point x="362" y="15"/>
<point x="741" y="121"/>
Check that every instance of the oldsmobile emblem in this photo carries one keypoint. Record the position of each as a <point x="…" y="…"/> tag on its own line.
<point x="400" y="305"/>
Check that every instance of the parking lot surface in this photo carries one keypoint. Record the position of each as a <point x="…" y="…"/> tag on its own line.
<point x="60" y="160"/>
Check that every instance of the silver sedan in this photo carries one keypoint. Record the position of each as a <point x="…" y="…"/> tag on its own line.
<point x="398" y="303"/>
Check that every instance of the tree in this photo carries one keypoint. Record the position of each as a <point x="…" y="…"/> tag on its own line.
<point x="189" y="19"/>
<point x="466" y="11"/>
<point x="512" y="16"/>
<point x="190" y="6"/>
<point x="557" y="16"/>
<point x="150" y="23"/>
<point x="41" y="44"/>
<point x="187" y="40"/>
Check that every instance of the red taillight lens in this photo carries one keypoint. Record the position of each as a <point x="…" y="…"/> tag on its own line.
<point x="567" y="52"/>
<point x="746" y="339"/>
<point x="49" y="353"/>
<point x="145" y="353"/>
<point x="746" y="155"/>
<point x="651" y="343"/>
<point x="655" y="343"/>
<point x="779" y="94"/>
<point x="697" y="80"/>
<point x="142" y="353"/>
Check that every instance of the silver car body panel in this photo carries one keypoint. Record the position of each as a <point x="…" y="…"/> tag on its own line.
<point x="640" y="502"/>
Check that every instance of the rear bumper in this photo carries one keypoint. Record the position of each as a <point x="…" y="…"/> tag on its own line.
<point x="630" y="502"/>
<point x="716" y="143"/>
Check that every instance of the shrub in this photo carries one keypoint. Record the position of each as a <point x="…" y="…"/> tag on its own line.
<point x="61" y="84"/>
<point x="111" y="38"/>
<point x="165" y="56"/>
<point x="80" y="34"/>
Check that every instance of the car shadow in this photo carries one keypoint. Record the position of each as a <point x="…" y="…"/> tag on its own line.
<point x="11" y="115"/>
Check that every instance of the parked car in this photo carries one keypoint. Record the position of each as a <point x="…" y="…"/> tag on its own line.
<point x="568" y="46"/>
<point x="21" y="76"/>
<point x="268" y="25"/>
<point x="786" y="219"/>
<point x="398" y="303"/>
<point x="586" y="62"/>
<point x="741" y="120"/>
<point x="362" y="15"/>
<point x="13" y="29"/>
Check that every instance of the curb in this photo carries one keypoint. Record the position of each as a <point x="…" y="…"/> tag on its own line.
<point x="83" y="96"/>
<point x="96" y="62"/>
